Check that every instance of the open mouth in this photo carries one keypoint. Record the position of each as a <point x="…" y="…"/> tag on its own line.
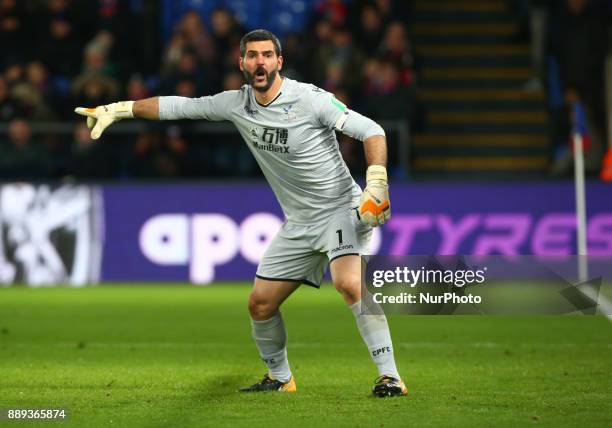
<point x="260" y="74"/>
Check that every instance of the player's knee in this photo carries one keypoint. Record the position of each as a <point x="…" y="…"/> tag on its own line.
<point x="261" y="309"/>
<point x="349" y="287"/>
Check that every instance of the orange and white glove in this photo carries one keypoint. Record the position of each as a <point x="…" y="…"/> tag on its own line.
<point x="101" y="117"/>
<point x="374" y="207"/>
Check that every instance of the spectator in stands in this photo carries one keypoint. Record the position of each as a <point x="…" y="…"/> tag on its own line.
<point x="95" y="81"/>
<point x="155" y="156"/>
<point x="114" y="16"/>
<point x="56" y="149"/>
<point x="23" y="159"/>
<point x="388" y="96"/>
<point x="579" y="45"/>
<point x="13" y="32"/>
<point x="333" y="11"/>
<point x="185" y="88"/>
<point x="229" y="62"/>
<point x="295" y="56"/>
<point x="94" y="89"/>
<point x="369" y="30"/>
<point x="320" y="40"/>
<point x="97" y="55"/>
<point x="89" y="160"/>
<point x="38" y="77"/>
<point x="174" y="52"/>
<point x="31" y="101"/>
<point x="178" y="155"/>
<point x="339" y="62"/>
<point x="43" y="72"/>
<point x="136" y="88"/>
<point x="9" y="108"/>
<point x="142" y="160"/>
<point x="226" y="33"/>
<point x="334" y="76"/>
<point x="233" y="81"/>
<point x="191" y="38"/>
<point x="197" y="38"/>
<point x="396" y="47"/>
<point x="58" y="39"/>
<point x="35" y="94"/>
<point x="22" y="95"/>
<point x="393" y="10"/>
<point x="14" y="74"/>
<point x="188" y="73"/>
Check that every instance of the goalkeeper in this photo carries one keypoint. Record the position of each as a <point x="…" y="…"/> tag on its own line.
<point x="290" y="129"/>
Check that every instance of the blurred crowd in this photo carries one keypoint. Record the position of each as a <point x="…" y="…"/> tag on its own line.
<point x="58" y="54"/>
<point x="571" y="40"/>
<point x="578" y="44"/>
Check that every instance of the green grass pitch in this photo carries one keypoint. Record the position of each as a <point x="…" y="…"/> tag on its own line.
<point x="174" y="356"/>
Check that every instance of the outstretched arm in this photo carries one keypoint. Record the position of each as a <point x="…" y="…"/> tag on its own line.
<point x="101" y="117"/>
<point x="214" y="107"/>
<point x="147" y="108"/>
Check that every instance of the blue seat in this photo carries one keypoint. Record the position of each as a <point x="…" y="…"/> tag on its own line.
<point x="251" y="14"/>
<point x="279" y="16"/>
<point x="288" y="15"/>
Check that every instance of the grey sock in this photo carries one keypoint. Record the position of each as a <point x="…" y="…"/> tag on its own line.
<point x="271" y="338"/>
<point x="374" y="331"/>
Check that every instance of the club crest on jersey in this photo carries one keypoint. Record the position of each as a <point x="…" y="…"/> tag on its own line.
<point x="289" y="113"/>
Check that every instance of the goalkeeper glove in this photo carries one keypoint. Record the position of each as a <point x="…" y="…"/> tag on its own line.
<point x="374" y="207"/>
<point x="100" y="118"/>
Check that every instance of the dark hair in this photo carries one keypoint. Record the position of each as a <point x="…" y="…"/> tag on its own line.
<point x="259" y="36"/>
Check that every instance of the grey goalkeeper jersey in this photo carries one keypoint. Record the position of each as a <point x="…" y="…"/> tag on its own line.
<point x="293" y="141"/>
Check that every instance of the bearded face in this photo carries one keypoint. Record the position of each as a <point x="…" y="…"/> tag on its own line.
<point x="260" y="65"/>
<point x="262" y="79"/>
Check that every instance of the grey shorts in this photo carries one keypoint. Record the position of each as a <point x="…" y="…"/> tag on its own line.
<point x="302" y="253"/>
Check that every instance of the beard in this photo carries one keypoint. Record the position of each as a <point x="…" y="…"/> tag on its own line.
<point x="250" y="78"/>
